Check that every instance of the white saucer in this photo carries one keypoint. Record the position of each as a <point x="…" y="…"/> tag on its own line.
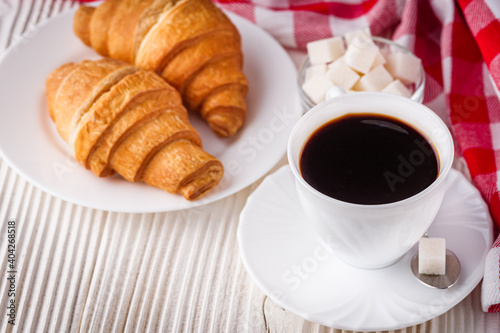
<point x="274" y="239"/>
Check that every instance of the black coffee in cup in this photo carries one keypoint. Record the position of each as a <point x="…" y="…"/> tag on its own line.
<point x="368" y="159"/>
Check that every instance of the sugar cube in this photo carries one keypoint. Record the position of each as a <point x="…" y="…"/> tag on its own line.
<point x="379" y="60"/>
<point x="364" y="34"/>
<point x="375" y="80"/>
<point x="315" y="70"/>
<point x="397" y="88"/>
<point x="432" y="256"/>
<point x="334" y="91"/>
<point x="342" y="75"/>
<point x="325" y="50"/>
<point x="403" y="66"/>
<point x="385" y="51"/>
<point x="360" y="55"/>
<point x="316" y="88"/>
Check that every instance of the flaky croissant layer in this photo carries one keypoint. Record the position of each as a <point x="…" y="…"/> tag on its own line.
<point x="191" y="43"/>
<point x="119" y="118"/>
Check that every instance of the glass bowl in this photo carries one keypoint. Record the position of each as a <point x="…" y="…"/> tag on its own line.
<point x="385" y="45"/>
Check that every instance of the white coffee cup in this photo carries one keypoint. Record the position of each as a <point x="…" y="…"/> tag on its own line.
<point x="372" y="236"/>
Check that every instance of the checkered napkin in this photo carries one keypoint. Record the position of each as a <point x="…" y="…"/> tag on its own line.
<point x="459" y="44"/>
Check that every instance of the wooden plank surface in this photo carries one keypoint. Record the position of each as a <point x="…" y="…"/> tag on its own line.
<point x="84" y="270"/>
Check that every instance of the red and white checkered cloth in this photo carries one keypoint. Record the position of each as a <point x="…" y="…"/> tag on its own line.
<point x="459" y="44"/>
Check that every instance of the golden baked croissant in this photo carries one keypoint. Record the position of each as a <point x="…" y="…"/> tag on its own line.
<point x="190" y="43"/>
<point x="117" y="117"/>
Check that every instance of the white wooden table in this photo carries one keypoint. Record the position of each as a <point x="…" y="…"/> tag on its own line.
<point x="86" y="270"/>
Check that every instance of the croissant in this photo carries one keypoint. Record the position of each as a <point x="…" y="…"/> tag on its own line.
<point x="190" y="43"/>
<point x="119" y="118"/>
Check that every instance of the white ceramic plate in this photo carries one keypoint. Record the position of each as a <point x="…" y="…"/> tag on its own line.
<point x="30" y="144"/>
<point x="296" y="270"/>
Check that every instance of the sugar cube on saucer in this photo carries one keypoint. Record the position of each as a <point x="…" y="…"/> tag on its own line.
<point x="432" y="256"/>
<point x="325" y="50"/>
